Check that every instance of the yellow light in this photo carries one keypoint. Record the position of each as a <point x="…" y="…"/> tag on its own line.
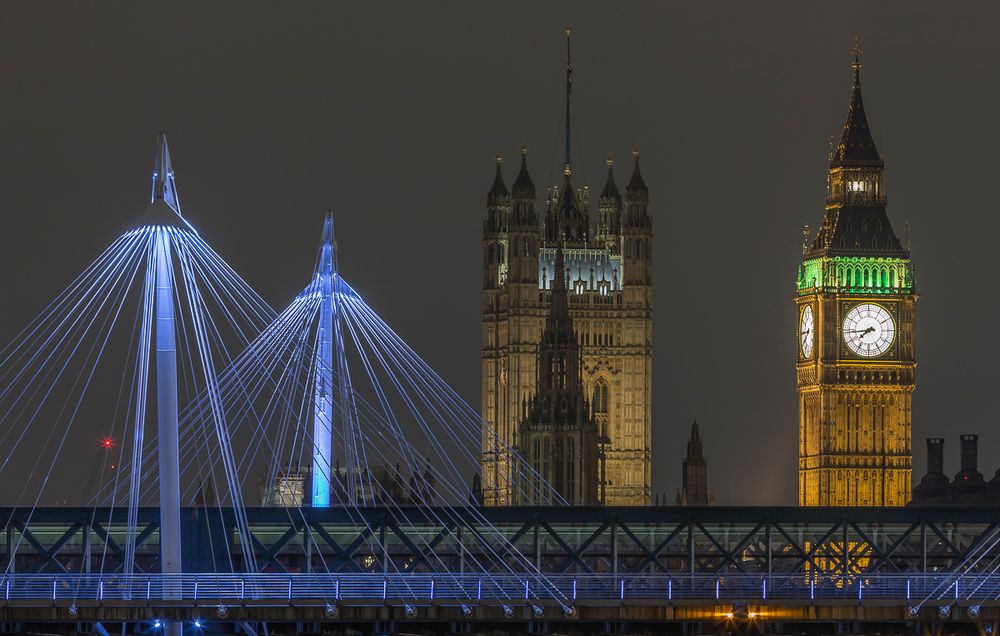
<point x="729" y="616"/>
<point x="752" y="615"/>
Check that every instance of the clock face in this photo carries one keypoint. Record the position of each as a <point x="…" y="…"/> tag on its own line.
<point x="806" y="332"/>
<point x="869" y="330"/>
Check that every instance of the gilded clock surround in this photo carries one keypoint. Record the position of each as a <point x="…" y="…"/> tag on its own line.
<point x="855" y="411"/>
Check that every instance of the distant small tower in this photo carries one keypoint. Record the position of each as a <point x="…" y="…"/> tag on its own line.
<point x="694" y="491"/>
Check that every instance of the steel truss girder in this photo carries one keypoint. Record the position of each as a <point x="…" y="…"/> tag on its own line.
<point x="561" y="540"/>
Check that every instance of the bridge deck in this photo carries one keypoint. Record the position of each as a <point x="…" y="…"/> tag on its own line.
<point x="599" y="564"/>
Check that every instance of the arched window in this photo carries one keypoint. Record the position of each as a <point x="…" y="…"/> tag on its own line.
<point x="493" y="254"/>
<point x="892" y="277"/>
<point x="600" y="401"/>
<point x="500" y="253"/>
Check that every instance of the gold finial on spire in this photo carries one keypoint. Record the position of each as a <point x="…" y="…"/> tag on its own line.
<point x="635" y="152"/>
<point x="499" y="158"/>
<point x="611" y="159"/>
<point x="524" y="149"/>
<point x="567" y="170"/>
<point x="857" y="52"/>
<point x="569" y="31"/>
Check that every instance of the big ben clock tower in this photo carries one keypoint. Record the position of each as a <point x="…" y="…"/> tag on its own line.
<point x="856" y="363"/>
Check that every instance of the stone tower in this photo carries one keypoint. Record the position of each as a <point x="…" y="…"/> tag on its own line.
<point x="856" y="364"/>
<point x="609" y="282"/>
<point x="694" y="479"/>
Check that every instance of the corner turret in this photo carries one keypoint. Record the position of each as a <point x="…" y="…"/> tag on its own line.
<point x="610" y="206"/>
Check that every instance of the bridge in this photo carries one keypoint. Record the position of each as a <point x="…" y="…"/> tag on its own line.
<point x="593" y="568"/>
<point x="202" y="390"/>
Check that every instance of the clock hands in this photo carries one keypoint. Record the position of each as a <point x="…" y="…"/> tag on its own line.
<point x="861" y="331"/>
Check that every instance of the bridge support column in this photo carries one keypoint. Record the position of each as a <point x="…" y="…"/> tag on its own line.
<point x="923" y="546"/>
<point x="690" y="549"/>
<point x="384" y="546"/>
<point x="11" y="557"/>
<point x="85" y="547"/>
<point x="323" y="400"/>
<point x="767" y="541"/>
<point x="614" y="548"/>
<point x="846" y="550"/>
<point x="308" y="540"/>
<point x="536" y="548"/>
<point x="166" y="416"/>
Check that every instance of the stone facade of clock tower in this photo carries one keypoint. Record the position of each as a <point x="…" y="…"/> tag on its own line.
<point x="856" y="362"/>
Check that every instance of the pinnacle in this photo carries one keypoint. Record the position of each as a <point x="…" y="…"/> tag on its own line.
<point x="164" y="185"/>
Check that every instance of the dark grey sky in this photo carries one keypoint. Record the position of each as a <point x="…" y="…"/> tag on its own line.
<point x="391" y="114"/>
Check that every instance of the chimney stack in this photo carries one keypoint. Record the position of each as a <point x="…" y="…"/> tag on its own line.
<point x="933" y="487"/>
<point x="935" y="455"/>
<point x="968" y="487"/>
<point x="970" y="452"/>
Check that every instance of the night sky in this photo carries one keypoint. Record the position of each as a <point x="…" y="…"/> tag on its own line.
<point x="392" y="114"/>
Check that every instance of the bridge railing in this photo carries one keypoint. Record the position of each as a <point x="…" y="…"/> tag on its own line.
<point x="365" y="589"/>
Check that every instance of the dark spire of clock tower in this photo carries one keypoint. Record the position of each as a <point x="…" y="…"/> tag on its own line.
<point x="856" y="223"/>
<point x="856" y="148"/>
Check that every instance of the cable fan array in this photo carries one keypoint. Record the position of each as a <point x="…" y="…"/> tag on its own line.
<point x="403" y="417"/>
<point x="94" y="347"/>
<point x="967" y="579"/>
<point x="154" y="324"/>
